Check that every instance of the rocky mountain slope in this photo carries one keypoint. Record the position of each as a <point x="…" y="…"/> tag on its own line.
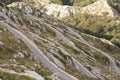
<point x="98" y="7"/>
<point x="36" y="46"/>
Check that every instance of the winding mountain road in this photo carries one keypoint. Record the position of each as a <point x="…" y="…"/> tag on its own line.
<point x="38" y="53"/>
<point x="82" y="40"/>
<point x="77" y="64"/>
<point x="18" y="34"/>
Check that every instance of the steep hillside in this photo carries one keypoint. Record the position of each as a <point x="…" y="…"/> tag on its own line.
<point x="35" y="44"/>
<point x="16" y="60"/>
<point x="99" y="26"/>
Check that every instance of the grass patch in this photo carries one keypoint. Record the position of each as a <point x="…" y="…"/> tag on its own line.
<point x="102" y="59"/>
<point x="104" y="46"/>
<point x="95" y="25"/>
<point x="8" y="76"/>
<point x="69" y="48"/>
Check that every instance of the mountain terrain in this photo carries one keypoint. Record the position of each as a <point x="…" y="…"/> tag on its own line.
<point x="59" y="40"/>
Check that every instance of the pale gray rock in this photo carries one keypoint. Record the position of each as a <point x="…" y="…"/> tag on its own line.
<point x="19" y="55"/>
<point x="1" y="43"/>
<point x="34" y="75"/>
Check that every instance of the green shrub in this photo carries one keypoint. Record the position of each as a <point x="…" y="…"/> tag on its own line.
<point x="1" y="4"/>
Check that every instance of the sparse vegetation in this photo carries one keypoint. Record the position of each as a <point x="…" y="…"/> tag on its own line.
<point x="100" y="26"/>
<point x="102" y="59"/>
<point x="8" y="1"/>
<point x="116" y="40"/>
<point x="104" y="46"/>
<point x="8" y="76"/>
<point x="116" y="4"/>
<point x="10" y="46"/>
<point x="83" y="2"/>
<point x="70" y="49"/>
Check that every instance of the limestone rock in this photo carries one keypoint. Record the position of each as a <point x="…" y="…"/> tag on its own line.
<point x="19" y="55"/>
<point x="59" y="11"/>
<point x="100" y="7"/>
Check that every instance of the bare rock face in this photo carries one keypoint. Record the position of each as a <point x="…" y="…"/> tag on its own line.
<point x="59" y="11"/>
<point x="100" y="7"/>
<point x="97" y="8"/>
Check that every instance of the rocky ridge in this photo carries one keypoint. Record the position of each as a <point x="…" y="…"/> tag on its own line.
<point x="99" y="7"/>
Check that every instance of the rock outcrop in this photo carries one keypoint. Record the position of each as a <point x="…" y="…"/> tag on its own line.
<point x="99" y="7"/>
<point x="59" y="11"/>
